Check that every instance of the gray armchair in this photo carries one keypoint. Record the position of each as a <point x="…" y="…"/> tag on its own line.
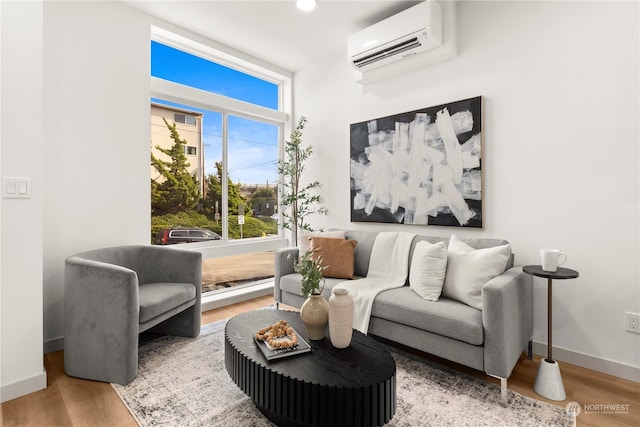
<point x="113" y="294"/>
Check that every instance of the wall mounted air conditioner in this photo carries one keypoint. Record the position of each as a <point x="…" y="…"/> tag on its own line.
<point x="413" y="31"/>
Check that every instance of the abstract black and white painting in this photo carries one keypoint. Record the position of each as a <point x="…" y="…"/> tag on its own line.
<point x="420" y="167"/>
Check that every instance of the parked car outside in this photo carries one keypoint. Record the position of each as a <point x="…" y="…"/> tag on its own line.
<point x="171" y="236"/>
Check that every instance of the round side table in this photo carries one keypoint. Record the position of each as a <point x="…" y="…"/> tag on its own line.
<point x="548" y="380"/>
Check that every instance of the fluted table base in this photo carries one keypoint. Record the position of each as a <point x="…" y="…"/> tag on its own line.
<point x="355" y="386"/>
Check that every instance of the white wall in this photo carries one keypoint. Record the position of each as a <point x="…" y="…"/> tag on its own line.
<point x="96" y="91"/>
<point x="561" y="104"/>
<point x="21" y="147"/>
<point x="561" y="160"/>
<point x="75" y="118"/>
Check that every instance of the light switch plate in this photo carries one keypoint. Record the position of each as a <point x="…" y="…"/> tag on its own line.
<point x="16" y="187"/>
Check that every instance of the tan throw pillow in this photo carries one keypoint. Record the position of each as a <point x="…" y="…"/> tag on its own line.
<point x="337" y="255"/>
<point x="304" y="238"/>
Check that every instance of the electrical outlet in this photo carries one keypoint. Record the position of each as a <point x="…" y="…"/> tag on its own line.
<point x="632" y="322"/>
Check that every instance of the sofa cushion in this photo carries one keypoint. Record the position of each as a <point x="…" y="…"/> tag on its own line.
<point x="490" y="243"/>
<point x="468" y="269"/>
<point x="428" y="268"/>
<point x="337" y="256"/>
<point x="304" y="240"/>
<point x="474" y="243"/>
<point x="362" y="253"/>
<point x="446" y="317"/>
<point x="157" y="298"/>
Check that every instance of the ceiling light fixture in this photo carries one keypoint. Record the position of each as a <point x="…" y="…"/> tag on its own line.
<point x="306" y="4"/>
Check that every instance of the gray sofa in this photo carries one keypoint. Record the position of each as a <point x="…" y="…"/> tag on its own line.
<point x="490" y="340"/>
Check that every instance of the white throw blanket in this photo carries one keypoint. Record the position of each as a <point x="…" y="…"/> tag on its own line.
<point x="388" y="269"/>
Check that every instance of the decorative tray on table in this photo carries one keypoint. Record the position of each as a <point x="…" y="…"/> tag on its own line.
<point x="280" y="340"/>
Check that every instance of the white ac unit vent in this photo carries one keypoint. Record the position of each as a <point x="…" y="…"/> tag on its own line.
<point x="415" y="30"/>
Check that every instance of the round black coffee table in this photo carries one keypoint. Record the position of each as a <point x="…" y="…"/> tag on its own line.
<point x="355" y="386"/>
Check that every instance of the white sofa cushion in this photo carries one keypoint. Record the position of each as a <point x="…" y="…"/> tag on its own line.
<point x="428" y="268"/>
<point x="469" y="269"/>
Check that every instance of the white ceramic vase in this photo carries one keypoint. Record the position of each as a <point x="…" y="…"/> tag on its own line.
<point x="340" y="318"/>
<point x="314" y="314"/>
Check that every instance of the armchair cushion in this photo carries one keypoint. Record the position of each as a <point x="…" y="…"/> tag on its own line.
<point x="158" y="298"/>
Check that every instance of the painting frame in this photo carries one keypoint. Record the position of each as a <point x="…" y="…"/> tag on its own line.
<point x="421" y="167"/>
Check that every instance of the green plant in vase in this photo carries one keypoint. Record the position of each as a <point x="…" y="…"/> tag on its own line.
<point x="311" y="270"/>
<point x="314" y="312"/>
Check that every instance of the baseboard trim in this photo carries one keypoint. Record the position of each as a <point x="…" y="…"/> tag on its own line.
<point x="606" y="366"/>
<point x="23" y="387"/>
<point x="53" y="344"/>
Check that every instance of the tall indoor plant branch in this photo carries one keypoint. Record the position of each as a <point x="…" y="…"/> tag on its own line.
<point x="298" y="200"/>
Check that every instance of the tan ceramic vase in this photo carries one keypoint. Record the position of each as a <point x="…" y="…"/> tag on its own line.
<point x="315" y="316"/>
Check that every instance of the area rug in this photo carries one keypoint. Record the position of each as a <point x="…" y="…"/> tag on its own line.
<point x="183" y="382"/>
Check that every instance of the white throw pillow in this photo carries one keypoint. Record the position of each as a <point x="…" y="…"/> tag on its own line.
<point x="304" y="238"/>
<point x="428" y="268"/>
<point x="469" y="269"/>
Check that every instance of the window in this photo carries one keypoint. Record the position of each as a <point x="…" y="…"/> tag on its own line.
<point x="229" y="126"/>
<point x="185" y="119"/>
<point x="229" y="82"/>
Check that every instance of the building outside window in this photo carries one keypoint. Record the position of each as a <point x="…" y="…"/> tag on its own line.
<point x="191" y="133"/>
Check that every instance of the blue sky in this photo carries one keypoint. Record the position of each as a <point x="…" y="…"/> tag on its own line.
<point x="253" y="146"/>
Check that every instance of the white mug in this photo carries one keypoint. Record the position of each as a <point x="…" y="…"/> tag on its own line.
<point x="551" y="259"/>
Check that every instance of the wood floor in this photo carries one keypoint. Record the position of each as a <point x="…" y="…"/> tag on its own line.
<point x="73" y="402"/>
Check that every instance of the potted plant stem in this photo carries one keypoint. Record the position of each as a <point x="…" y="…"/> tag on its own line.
<point x="298" y="199"/>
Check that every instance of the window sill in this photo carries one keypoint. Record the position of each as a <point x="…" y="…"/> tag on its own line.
<point x="220" y="248"/>
<point x="222" y="299"/>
